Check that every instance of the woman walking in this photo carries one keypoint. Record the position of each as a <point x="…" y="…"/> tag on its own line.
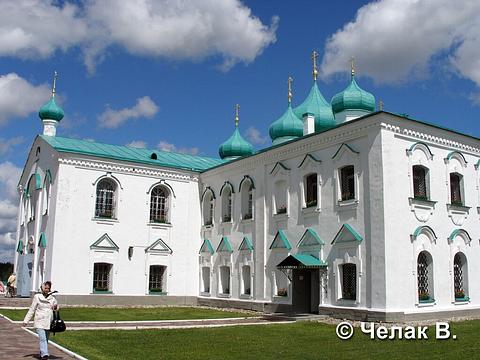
<point x="42" y="306"/>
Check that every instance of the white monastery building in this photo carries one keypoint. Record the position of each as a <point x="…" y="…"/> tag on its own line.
<point x="351" y="212"/>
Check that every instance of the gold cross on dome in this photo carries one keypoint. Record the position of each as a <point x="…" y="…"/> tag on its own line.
<point x="55" y="75"/>
<point x="290" y="80"/>
<point x="352" y="66"/>
<point x="237" y="118"/>
<point x="314" y="59"/>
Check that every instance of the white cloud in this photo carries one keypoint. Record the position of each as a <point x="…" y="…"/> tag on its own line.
<point x="37" y="28"/>
<point x="19" y="98"/>
<point x="137" y="144"/>
<point x="166" y="146"/>
<point x="6" y="145"/>
<point x="144" y="108"/>
<point x="174" y="29"/>
<point x="9" y="175"/>
<point x="394" y="40"/>
<point x="255" y="136"/>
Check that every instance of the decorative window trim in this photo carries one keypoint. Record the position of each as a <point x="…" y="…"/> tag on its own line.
<point x="162" y="183"/>
<point x="346" y="155"/>
<point x="245" y="216"/>
<point x="116" y="200"/>
<point x="205" y="224"/>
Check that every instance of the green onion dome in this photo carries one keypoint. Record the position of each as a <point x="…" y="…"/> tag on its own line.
<point x="316" y="104"/>
<point x="288" y="127"/>
<point x="51" y="111"/>
<point x="353" y="98"/>
<point x="235" y="146"/>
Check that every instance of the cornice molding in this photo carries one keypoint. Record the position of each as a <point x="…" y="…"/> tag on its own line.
<point x="423" y="136"/>
<point x="126" y="169"/>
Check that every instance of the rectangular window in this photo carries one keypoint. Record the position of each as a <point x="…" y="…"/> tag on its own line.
<point x="156" y="279"/>
<point x="311" y="190"/>
<point x="225" y="280"/>
<point x="455" y="189"/>
<point x="206" y="279"/>
<point x="349" y="282"/>
<point x="347" y="183"/>
<point x="246" y="281"/>
<point x="101" y="277"/>
<point x="420" y="182"/>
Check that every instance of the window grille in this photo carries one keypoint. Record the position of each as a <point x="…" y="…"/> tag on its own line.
<point x="101" y="276"/>
<point x="423" y="277"/>
<point x="455" y="190"/>
<point x="349" y="282"/>
<point x="458" y="276"/>
<point x="105" y="204"/>
<point x="159" y="205"/>
<point x="311" y="190"/>
<point x="419" y="182"/>
<point x="347" y="183"/>
<point x="155" y="283"/>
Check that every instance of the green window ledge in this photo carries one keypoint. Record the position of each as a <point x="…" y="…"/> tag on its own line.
<point x="462" y="299"/>
<point x="426" y="301"/>
<point x="102" y="292"/>
<point x="157" y="293"/>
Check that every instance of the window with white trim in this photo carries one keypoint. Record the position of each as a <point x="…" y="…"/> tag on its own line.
<point x="205" y="279"/>
<point x="425" y="277"/>
<point x="311" y="190"/>
<point x="159" y="205"/>
<point x="246" y="280"/>
<point x="106" y="199"/>
<point x="156" y="279"/>
<point x="102" y="277"/>
<point x="280" y="198"/>
<point x="420" y="182"/>
<point x="456" y="189"/>
<point x="224" y="280"/>
<point x="460" y="277"/>
<point x="349" y="281"/>
<point x="208" y="206"/>
<point x="227" y="198"/>
<point x="247" y="200"/>
<point x="347" y="183"/>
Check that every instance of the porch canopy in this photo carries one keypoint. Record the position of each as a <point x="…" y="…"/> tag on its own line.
<point x="301" y="261"/>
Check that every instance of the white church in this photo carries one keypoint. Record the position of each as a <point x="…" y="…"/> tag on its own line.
<point x="351" y="212"/>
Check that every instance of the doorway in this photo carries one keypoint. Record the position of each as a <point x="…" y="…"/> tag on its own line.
<point x="306" y="290"/>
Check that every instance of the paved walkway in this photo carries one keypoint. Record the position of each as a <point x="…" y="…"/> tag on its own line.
<point x="14" y="302"/>
<point x="16" y="343"/>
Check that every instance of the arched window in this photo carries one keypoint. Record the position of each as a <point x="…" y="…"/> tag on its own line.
<point x="456" y="182"/>
<point x="106" y="198"/>
<point x="425" y="277"/>
<point x="227" y="204"/>
<point x="460" y="277"/>
<point x="156" y="282"/>
<point x="208" y="205"/>
<point x="247" y="200"/>
<point x="102" y="281"/>
<point x="420" y="183"/>
<point x="310" y="185"/>
<point x="159" y="205"/>
<point x="347" y="182"/>
<point x="349" y="281"/>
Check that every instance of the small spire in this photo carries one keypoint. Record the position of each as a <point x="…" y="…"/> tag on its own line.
<point x="352" y="66"/>
<point x="314" y="59"/>
<point x="380" y="105"/>
<point x="237" y="118"/>
<point x="290" y="80"/>
<point x="54" y="87"/>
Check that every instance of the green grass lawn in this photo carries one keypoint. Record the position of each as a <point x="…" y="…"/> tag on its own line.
<point x="133" y="314"/>
<point x="303" y="340"/>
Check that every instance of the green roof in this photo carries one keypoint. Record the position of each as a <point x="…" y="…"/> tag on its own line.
<point x="316" y="104"/>
<point x="301" y="261"/>
<point x="353" y="98"/>
<point x="206" y="247"/>
<point x="51" y="111"/>
<point x="280" y="241"/>
<point x="43" y="240"/>
<point x="235" y="146"/>
<point x="286" y="128"/>
<point x="310" y="238"/>
<point x="224" y="245"/>
<point x="246" y="244"/>
<point x="136" y="155"/>
<point x="350" y="235"/>
<point x="20" y="247"/>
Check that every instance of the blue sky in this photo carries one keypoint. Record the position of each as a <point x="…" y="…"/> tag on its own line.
<point x="168" y="74"/>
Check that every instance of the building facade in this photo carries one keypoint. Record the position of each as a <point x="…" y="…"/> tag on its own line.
<point x="351" y="212"/>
